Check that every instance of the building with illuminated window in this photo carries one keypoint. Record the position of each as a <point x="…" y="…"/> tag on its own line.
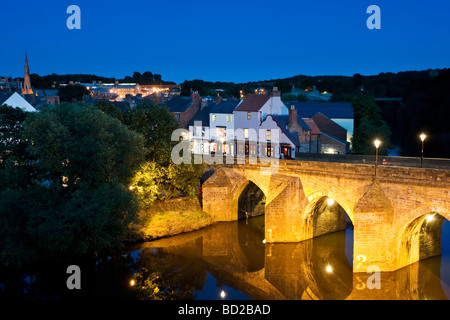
<point x="221" y="123"/>
<point x="123" y="89"/>
<point x="248" y="116"/>
<point x="162" y="90"/>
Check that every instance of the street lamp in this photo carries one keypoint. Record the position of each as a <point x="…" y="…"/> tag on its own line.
<point x="377" y="144"/>
<point x="422" y="137"/>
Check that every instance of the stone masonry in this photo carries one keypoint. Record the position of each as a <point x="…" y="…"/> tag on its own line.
<point x="397" y="215"/>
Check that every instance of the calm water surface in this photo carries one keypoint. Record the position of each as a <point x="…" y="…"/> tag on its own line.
<point x="231" y="261"/>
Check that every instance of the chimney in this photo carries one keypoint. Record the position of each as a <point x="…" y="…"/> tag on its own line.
<point x="218" y="98"/>
<point x="196" y="99"/>
<point x="293" y="123"/>
<point x="275" y="92"/>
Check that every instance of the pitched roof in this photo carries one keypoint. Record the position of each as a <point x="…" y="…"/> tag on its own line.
<point x="5" y="96"/>
<point x="202" y="115"/>
<point x="330" y="127"/>
<point x="46" y="92"/>
<point x="16" y="101"/>
<point x="224" y="107"/>
<point x="179" y="103"/>
<point x="314" y="128"/>
<point x="283" y="122"/>
<point x="253" y="102"/>
<point x="344" y="142"/>
<point x="335" y="110"/>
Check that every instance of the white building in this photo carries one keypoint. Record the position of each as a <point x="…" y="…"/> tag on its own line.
<point x="15" y="100"/>
<point x="221" y="126"/>
<point x="248" y="116"/>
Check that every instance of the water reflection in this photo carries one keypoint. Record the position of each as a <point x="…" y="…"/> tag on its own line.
<point x="235" y="255"/>
<point x="231" y="261"/>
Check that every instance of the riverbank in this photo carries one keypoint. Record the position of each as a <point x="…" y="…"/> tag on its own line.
<point x="168" y="218"/>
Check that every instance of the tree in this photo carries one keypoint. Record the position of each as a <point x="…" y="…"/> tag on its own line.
<point x="283" y="86"/>
<point x="12" y="147"/>
<point x="109" y="108"/>
<point x="369" y="125"/>
<point x="73" y="93"/>
<point x="147" y="77"/>
<point x="159" y="177"/>
<point x="137" y="77"/>
<point x="76" y="199"/>
<point x="145" y="183"/>
<point x="156" y="124"/>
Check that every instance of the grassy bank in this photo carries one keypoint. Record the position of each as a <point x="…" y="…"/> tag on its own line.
<point x="168" y="218"/>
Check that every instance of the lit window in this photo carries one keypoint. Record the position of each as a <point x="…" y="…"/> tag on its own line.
<point x="249" y="115"/>
<point x="221" y="133"/>
<point x="245" y="133"/>
<point x="268" y="135"/>
<point x="214" y="118"/>
<point x="228" y="118"/>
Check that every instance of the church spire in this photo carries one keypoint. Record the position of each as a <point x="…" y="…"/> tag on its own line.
<point x="26" y="88"/>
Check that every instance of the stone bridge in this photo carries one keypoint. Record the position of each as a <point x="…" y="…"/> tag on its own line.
<point x="397" y="212"/>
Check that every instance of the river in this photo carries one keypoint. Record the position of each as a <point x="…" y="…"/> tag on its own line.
<point x="230" y="260"/>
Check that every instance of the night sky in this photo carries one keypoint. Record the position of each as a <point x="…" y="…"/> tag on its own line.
<point x="236" y="41"/>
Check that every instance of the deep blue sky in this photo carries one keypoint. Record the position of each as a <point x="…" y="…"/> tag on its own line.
<point x="230" y="40"/>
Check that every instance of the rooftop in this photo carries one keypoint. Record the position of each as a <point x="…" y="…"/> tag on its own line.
<point x="179" y="104"/>
<point x="253" y="102"/>
<point x="224" y="107"/>
<point x="332" y="110"/>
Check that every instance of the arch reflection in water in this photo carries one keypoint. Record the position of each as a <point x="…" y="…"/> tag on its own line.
<point x="233" y="255"/>
<point x="312" y="269"/>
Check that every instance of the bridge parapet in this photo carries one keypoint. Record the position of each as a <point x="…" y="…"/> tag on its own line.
<point x="381" y="204"/>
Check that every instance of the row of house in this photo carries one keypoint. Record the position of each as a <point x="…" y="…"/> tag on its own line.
<point x="262" y="125"/>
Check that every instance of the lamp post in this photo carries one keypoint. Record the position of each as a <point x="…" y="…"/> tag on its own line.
<point x="377" y="144"/>
<point x="422" y="137"/>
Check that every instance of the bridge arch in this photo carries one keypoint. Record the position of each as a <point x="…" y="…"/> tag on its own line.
<point x="312" y="198"/>
<point x="241" y="188"/>
<point x="323" y="212"/>
<point x="419" y="237"/>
